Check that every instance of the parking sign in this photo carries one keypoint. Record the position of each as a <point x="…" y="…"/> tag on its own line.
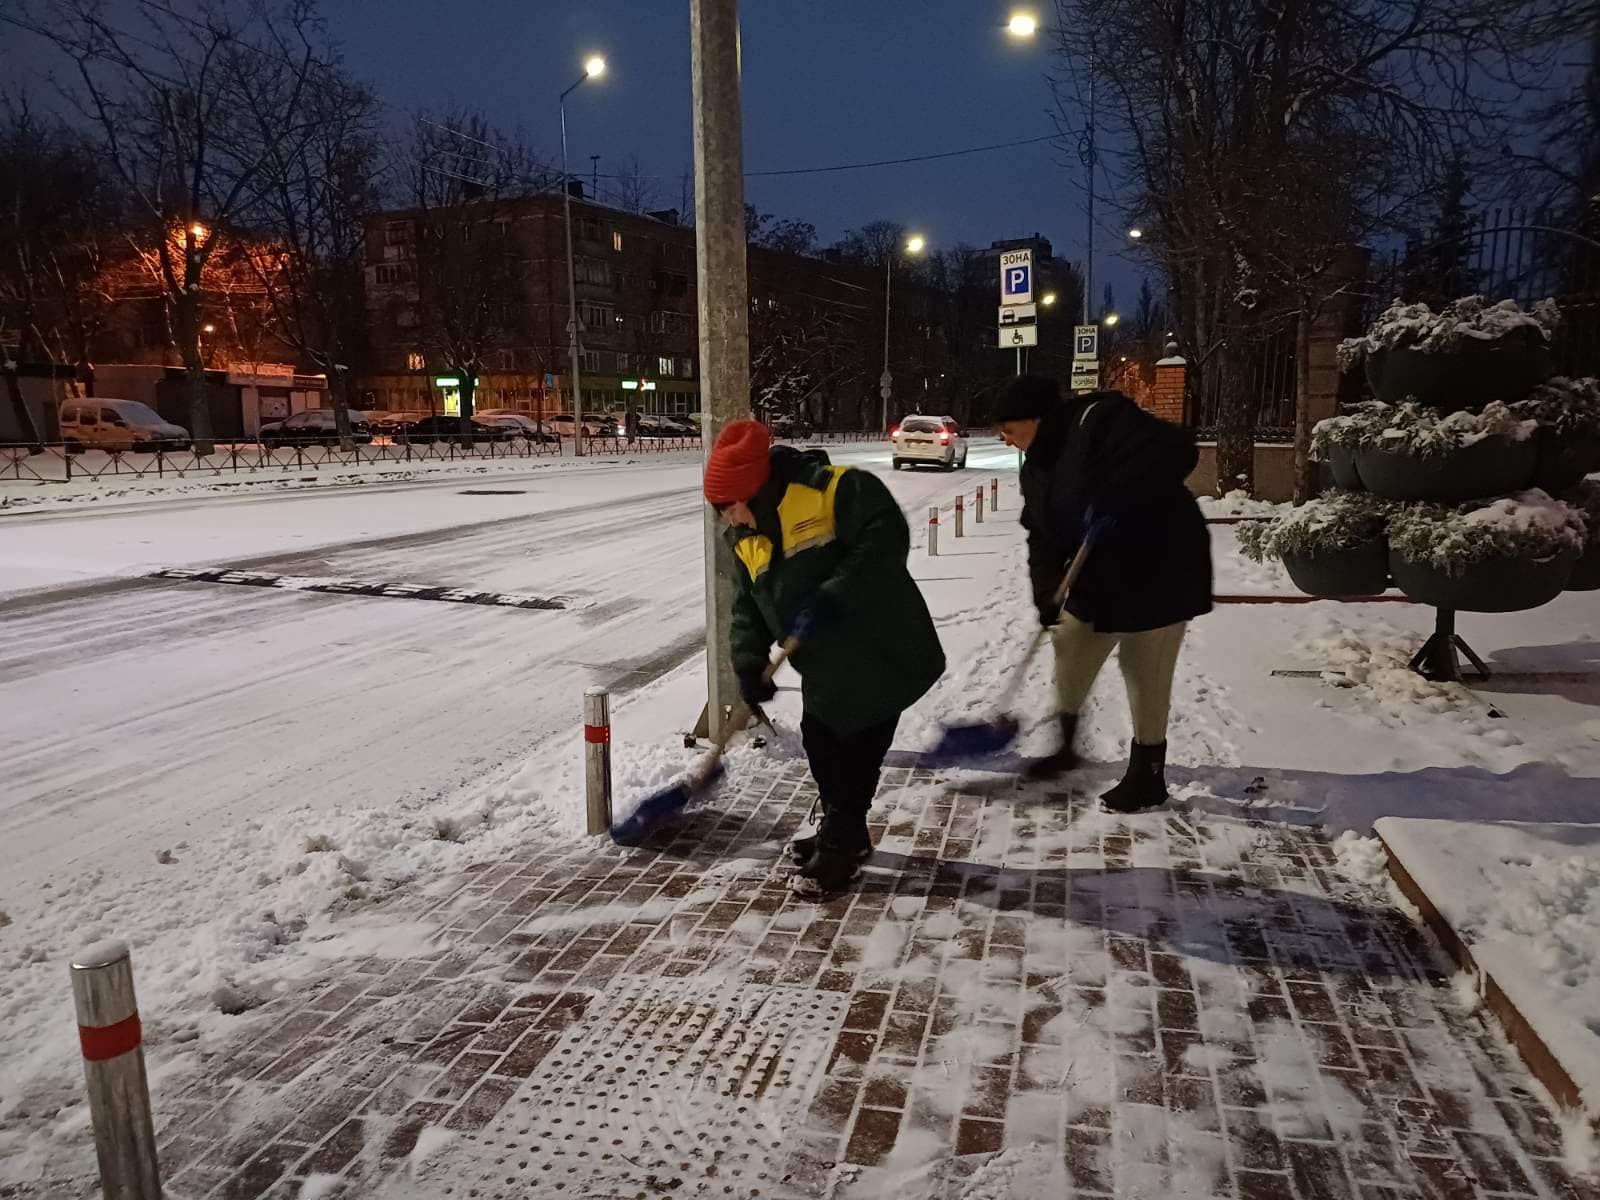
<point x="1085" y="341"/>
<point x="1016" y="277"/>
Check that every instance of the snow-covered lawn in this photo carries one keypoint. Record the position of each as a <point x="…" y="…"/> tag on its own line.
<point x="1525" y="898"/>
<point x="206" y="796"/>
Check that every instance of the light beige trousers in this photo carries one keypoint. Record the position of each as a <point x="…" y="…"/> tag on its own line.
<point x="1148" y="661"/>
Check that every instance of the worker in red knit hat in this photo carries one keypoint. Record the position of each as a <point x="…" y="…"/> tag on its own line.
<point x="820" y="555"/>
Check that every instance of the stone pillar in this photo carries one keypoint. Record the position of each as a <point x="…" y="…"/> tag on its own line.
<point x="1167" y="396"/>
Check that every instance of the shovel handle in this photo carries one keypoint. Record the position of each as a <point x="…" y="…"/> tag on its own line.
<point x="740" y="716"/>
<point x="1059" y="598"/>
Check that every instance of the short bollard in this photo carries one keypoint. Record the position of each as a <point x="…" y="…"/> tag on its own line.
<point x="994" y="494"/>
<point x="113" y="1067"/>
<point x="933" y="531"/>
<point x="961" y="514"/>
<point x="597" y="757"/>
<point x="979" y="514"/>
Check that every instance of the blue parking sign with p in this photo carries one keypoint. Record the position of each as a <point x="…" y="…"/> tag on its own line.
<point x="1016" y="282"/>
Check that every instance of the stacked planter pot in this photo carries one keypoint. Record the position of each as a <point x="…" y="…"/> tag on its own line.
<point x="1446" y="479"/>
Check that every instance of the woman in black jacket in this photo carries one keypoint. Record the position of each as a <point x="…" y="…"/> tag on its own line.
<point x="1099" y="467"/>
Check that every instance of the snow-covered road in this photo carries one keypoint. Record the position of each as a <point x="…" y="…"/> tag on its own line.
<point x="144" y="713"/>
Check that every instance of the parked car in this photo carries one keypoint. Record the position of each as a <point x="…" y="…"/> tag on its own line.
<point x="937" y="441"/>
<point x="313" y="427"/>
<point x="96" y="423"/>
<point x="784" y="426"/>
<point x="441" y="427"/>
<point x="680" y="427"/>
<point x="593" y="426"/>
<point x="521" y="424"/>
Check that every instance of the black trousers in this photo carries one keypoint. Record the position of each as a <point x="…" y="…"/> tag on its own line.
<point x="846" y="767"/>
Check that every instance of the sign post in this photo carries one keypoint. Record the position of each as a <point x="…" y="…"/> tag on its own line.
<point x="1085" y="358"/>
<point x="1018" y="314"/>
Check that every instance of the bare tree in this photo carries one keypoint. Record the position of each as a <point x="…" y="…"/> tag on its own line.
<point x="314" y="198"/>
<point x="636" y="192"/>
<point x="1264" y="141"/>
<point x="172" y="105"/>
<point x="58" y="212"/>
<point x="465" y="178"/>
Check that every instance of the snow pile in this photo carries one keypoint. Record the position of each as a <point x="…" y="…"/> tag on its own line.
<point x="1526" y="900"/>
<point x="1238" y="503"/>
<point x="1421" y="432"/>
<point x="1528" y="525"/>
<point x="1471" y="318"/>
<point x="1568" y="408"/>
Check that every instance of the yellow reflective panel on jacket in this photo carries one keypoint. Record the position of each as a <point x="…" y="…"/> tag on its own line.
<point x="805" y="515"/>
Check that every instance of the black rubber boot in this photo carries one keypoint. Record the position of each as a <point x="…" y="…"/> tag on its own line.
<point x="1144" y="785"/>
<point x="1055" y="765"/>
<point x="842" y="845"/>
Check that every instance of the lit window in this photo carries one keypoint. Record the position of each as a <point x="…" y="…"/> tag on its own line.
<point x="616" y="240"/>
<point x="415" y="361"/>
<point x="664" y="366"/>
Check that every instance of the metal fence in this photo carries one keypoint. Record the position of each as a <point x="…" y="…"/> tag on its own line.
<point x="57" y="464"/>
<point x="1521" y="254"/>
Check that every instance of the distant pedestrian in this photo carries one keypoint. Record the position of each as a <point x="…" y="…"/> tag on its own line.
<point x="1099" y="467"/>
<point x="820" y="556"/>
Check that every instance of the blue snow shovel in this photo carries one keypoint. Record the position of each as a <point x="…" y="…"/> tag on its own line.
<point x="980" y="739"/>
<point x="655" y="809"/>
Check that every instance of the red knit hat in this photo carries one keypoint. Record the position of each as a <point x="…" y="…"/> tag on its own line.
<point x="740" y="462"/>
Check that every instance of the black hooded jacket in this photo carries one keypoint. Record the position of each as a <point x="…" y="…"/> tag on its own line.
<point x="1101" y="455"/>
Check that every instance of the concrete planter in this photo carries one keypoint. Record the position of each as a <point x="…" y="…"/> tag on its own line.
<point x="1492" y="467"/>
<point x="1490" y="586"/>
<point x="1469" y="376"/>
<point x="1342" y="466"/>
<point x="1359" y="570"/>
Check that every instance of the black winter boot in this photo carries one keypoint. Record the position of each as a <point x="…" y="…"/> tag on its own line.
<point x="802" y="849"/>
<point x="1053" y="766"/>
<point x="1144" y="785"/>
<point x="842" y="845"/>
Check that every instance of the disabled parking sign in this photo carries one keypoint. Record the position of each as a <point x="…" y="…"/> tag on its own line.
<point x="1016" y="277"/>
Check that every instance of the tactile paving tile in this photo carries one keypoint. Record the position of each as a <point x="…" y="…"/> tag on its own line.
<point x="665" y="1088"/>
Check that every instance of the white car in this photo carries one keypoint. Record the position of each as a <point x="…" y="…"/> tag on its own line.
<point x="937" y="441"/>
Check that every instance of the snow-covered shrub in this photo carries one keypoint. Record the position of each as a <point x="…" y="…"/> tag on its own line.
<point x="1418" y="431"/>
<point x="1353" y="428"/>
<point x="1333" y="521"/>
<point x="1418" y="327"/>
<point x="1528" y="525"/>
<point x="1568" y="408"/>
<point x="1585" y="501"/>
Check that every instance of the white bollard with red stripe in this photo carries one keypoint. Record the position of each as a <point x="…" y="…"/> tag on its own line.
<point x="113" y="1067"/>
<point x="980" y="505"/>
<point x="961" y="516"/>
<point x="933" y="531"/>
<point x="597" y="757"/>
<point x="994" y="494"/>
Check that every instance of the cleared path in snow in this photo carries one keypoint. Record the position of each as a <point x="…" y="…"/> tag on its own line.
<point x="141" y="714"/>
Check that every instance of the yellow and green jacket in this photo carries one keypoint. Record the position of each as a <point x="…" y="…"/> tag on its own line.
<point x="834" y="534"/>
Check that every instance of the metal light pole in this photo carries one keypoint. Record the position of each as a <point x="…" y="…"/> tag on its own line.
<point x="724" y="306"/>
<point x="1089" y="162"/>
<point x="914" y="245"/>
<point x="594" y="67"/>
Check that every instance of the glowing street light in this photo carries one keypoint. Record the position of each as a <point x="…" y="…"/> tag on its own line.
<point x="915" y="243"/>
<point x="1047" y="299"/>
<point x="593" y="67"/>
<point x="1136" y="233"/>
<point x="1023" y="24"/>
<point x="208" y="327"/>
<point x="1109" y="320"/>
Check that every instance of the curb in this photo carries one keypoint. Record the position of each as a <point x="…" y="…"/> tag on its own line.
<point x="1530" y="1047"/>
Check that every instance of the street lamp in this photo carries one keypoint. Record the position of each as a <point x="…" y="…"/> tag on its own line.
<point x="1110" y="320"/>
<point x="915" y="244"/>
<point x="1135" y="233"/>
<point x="1047" y="299"/>
<point x="1023" y="24"/>
<point x="593" y="67"/>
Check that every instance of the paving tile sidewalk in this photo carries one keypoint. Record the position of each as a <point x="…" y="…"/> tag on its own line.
<point x="1025" y="998"/>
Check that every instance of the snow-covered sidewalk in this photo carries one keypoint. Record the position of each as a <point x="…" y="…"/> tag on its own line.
<point x="1025" y="997"/>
